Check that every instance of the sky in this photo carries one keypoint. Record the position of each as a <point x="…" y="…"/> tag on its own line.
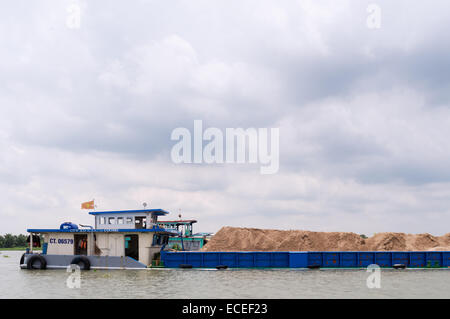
<point x="90" y="92"/>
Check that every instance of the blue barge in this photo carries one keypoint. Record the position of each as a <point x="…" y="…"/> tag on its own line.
<point x="344" y="259"/>
<point x="135" y="239"/>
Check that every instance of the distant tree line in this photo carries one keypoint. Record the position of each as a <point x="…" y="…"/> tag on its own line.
<point x="10" y="241"/>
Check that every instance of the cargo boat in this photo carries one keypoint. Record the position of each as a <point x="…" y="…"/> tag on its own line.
<point x="135" y="239"/>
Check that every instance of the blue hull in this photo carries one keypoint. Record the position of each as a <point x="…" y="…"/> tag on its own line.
<point x="345" y="259"/>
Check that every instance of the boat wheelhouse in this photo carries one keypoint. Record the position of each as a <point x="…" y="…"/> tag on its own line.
<point x="120" y="240"/>
<point x="186" y="240"/>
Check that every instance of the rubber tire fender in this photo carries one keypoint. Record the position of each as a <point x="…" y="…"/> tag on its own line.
<point x="185" y="266"/>
<point x="33" y="258"/>
<point x="221" y="267"/>
<point x="22" y="259"/>
<point x="314" y="266"/>
<point x="399" y="266"/>
<point x="81" y="260"/>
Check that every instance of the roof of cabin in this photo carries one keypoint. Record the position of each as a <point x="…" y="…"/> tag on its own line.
<point x="157" y="211"/>
<point x="189" y="221"/>
<point x="160" y="230"/>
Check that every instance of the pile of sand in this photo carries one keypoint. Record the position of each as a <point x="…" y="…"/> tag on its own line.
<point x="252" y="239"/>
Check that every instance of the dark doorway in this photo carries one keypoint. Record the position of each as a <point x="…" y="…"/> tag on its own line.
<point x="132" y="246"/>
<point x="140" y="222"/>
<point x="80" y="244"/>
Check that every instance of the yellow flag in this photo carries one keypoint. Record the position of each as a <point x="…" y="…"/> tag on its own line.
<point x="87" y="205"/>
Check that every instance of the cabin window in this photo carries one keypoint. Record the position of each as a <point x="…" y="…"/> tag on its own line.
<point x="120" y="220"/>
<point x="111" y="220"/>
<point x="140" y="222"/>
<point x="129" y="220"/>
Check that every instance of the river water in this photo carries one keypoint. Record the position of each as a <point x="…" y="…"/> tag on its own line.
<point x="239" y="283"/>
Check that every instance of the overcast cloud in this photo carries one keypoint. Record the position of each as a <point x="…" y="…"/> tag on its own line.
<point x="364" y="114"/>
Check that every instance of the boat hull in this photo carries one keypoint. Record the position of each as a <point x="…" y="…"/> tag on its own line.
<point x="312" y="260"/>
<point x="96" y="262"/>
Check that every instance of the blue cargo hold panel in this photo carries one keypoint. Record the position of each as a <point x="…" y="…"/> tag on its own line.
<point x="230" y="259"/>
<point x="331" y="259"/>
<point x="314" y="259"/>
<point x="401" y="258"/>
<point x="446" y="259"/>
<point x="433" y="259"/>
<point x="417" y="259"/>
<point x="383" y="259"/>
<point x="298" y="260"/>
<point x="344" y="259"/>
<point x="365" y="259"/>
<point x="349" y="259"/>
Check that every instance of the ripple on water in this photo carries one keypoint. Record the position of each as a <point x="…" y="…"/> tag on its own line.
<point x="239" y="283"/>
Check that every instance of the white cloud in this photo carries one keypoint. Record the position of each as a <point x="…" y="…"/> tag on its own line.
<point x="363" y="114"/>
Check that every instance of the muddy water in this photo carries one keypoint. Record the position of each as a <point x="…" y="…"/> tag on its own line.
<point x="242" y="283"/>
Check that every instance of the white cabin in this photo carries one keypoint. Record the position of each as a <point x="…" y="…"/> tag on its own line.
<point x="132" y="234"/>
